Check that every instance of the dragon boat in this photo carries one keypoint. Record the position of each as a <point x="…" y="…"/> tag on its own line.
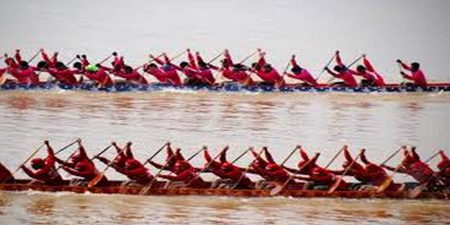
<point x="159" y="189"/>
<point x="228" y="87"/>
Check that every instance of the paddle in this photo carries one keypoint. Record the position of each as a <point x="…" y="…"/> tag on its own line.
<point x="214" y="59"/>
<point x="248" y="57"/>
<point x="73" y="59"/>
<point x="335" y="156"/>
<point x="279" y="188"/>
<point x="91" y="159"/>
<point x="65" y="147"/>
<point x="326" y="66"/>
<point x="34" y="56"/>
<point x="348" y="67"/>
<point x="339" y="180"/>
<point x="420" y="188"/>
<point x="392" y="155"/>
<point x="100" y="176"/>
<point x="145" y="189"/>
<point x="156" y="153"/>
<point x="246" y="170"/>
<point x="205" y="168"/>
<point x="388" y="181"/>
<point x="28" y="159"/>
<point x="240" y="156"/>
<point x="107" y="58"/>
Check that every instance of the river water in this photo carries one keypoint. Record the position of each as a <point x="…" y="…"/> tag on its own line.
<point x="321" y="122"/>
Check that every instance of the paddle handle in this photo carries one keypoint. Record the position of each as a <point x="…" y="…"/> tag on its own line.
<point x="67" y="146"/>
<point x="334" y="158"/>
<point x="34" y="56"/>
<point x="248" y="57"/>
<point x="328" y="64"/>
<point x="432" y="157"/>
<point x="240" y="156"/>
<point x="195" y="154"/>
<point x="392" y="155"/>
<point x="156" y="153"/>
<point x="246" y="170"/>
<point x="214" y="59"/>
<point x="28" y="159"/>
<point x="290" y="155"/>
<point x="106" y="59"/>
<point x="179" y="54"/>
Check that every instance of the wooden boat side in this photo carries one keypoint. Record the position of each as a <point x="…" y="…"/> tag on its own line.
<point x="158" y="190"/>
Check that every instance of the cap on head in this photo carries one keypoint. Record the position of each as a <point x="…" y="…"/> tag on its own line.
<point x="37" y="163"/>
<point x="361" y="68"/>
<point x="77" y="65"/>
<point x="23" y="64"/>
<point x="415" y="66"/>
<point x="128" y="69"/>
<point x="296" y="69"/>
<point x="184" y="64"/>
<point x="42" y="64"/>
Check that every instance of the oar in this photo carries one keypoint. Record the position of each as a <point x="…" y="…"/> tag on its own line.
<point x="339" y="181"/>
<point x="248" y="57"/>
<point x="278" y="189"/>
<point x="65" y="147"/>
<point x="100" y="176"/>
<point x="348" y="67"/>
<point x="28" y="159"/>
<point x="91" y="159"/>
<point x="420" y="188"/>
<point x="246" y="170"/>
<point x="388" y="181"/>
<point x="106" y="59"/>
<point x="179" y="54"/>
<point x="335" y="156"/>
<point x="70" y="61"/>
<point x="214" y="59"/>
<point x="145" y="189"/>
<point x="34" y="56"/>
<point x="286" y="68"/>
<point x="324" y="68"/>
<point x="156" y="153"/>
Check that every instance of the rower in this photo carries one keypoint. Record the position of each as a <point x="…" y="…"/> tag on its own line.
<point x="50" y="61"/>
<point x="120" y="160"/>
<point x="171" y="159"/>
<point x="95" y="73"/>
<point x="444" y="168"/>
<point x="234" y="72"/>
<point x="25" y="74"/>
<point x="371" y="77"/>
<point x="187" y="174"/>
<point x="265" y="71"/>
<point x="158" y="73"/>
<point x="118" y="62"/>
<point x="84" y="61"/>
<point x="376" y="175"/>
<point x="203" y="70"/>
<point x="44" y="169"/>
<point x="413" y="166"/>
<point x="228" y="173"/>
<point x="301" y="74"/>
<point x="342" y="72"/>
<point x="356" y="170"/>
<point x="128" y="73"/>
<point x="189" y="69"/>
<point x="170" y="72"/>
<point x="417" y="75"/>
<point x="80" y="165"/>
<point x="61" y="73"/>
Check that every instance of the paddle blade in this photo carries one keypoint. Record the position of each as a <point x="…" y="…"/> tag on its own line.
<point x="384" y="185"/>
<point x="145" y="189"/>
<point x="335" y="186"/>
<point x="417" y="190"/>
<point x="95" y="181"/>
<point x="276" y="190"/>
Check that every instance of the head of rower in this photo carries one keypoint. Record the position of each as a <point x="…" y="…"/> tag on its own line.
<point x="184" y="64"/>
<point x="37" y="163"/>
<point x="267" y="68"/>
<point x="415" y="66"/>
<point x="202" y="65"/>
<point x="296" y="69"/>
<point x="361" y="69"/>
<point x="340" y="68"/>
<point x="256" y="66"/>
<point x="128" y="69"/>
<point x="60" y="66"/>
<point x="23" y="65"/>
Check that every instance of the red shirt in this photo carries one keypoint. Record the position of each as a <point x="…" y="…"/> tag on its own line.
<point x="27" y="76"/>
<point x="417" y="77"/>
<point x="66" y="76"/>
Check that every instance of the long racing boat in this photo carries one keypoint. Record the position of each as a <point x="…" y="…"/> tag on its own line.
<point x="228" y="87"/>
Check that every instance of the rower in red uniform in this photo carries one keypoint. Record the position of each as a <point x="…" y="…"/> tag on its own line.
<point x="80" y="165"/>
<point x="343" y="73"/>
<point x="95" y="73"/>
<point x="171" y="159"/>
<point x="25" y="74"/>
<point x="234" y="72"/>
<point x="376" y="175"/>
<point x="371" y="77"/>
<point x="50" y="61"/>
<point x="226" y="170"/>
<point x="63" y="74"/>
<point x="167" y="73"/>
<point x="444" y="169"/>
<point x="301" y="74"/>
<point x="84" y="61"/>
<point x="45" y="171"/>
<point x="187" y="174"/>
<point x="356" y="170"/>
<point x="128" y="73"/>
<point x="413" y="166"/>
<point x="122" y="156"/>
<point x="417" y="75"/>
<point x="266" y="72"/>
<point x="118" y="62"/>
<point x="203" y="71"/>
<point x="10" y="62"/>
<point x="189" y="69"/>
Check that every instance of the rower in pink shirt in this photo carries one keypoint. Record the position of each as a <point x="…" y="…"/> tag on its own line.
<point x="417" y="76"/>
<point x="302" y="74"/>
<point x="370" y="76"/>
<point x="343" y="73"/>
<point x="266" y="72"/>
